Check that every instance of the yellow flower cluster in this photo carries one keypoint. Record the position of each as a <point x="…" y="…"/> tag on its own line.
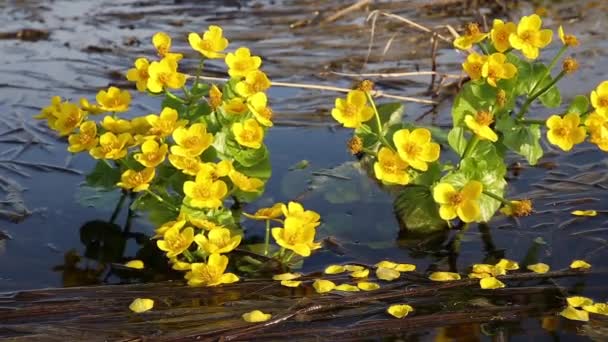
<point x="578" y="308"/>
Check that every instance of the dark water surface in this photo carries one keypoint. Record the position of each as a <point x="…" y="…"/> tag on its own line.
<point x="92" y="42"/>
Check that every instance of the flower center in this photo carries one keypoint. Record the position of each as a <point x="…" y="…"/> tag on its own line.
<point x="527" y="36"/>
<point x="164" y="77"/>
<point x="350" y="110"/>
<point x="266" y="113"/>
<point x="203" y="192"/>
<point x="412" y="150"/>
<point x="248" y="136"/>
<point x="472" y="29"/>
<point x="205" y="45"/>
<point x="484" y="118"/>
<point x="191" y="141"/>
<point x="455" y="199"/>
<point x="562" y="131"/>
<point x="603" y="101"/>
<point x="390" y="166"/>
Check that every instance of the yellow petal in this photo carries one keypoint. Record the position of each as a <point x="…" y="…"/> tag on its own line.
<point x="399" y="310"/>
<point x="386" y="264"/>
<point x="539" y="268"/>
<point x="334" y="269"/>
<point x="579" y="301"/>
<point x="347" y="288"/>
<point x="353" y="268"/>
<point x="444" y="276"/>
<point x="387" y="274"/>
<point x="405" y="267"/>
<point x="597" y="308"/>
<point x="137" y="264"/>
<point x="584" y="213"/>
<point x="491" y="283"/>
<point x="141" y="305"/>
<point x="286" y="276"/>
<point x="367" y="286"/>
<point x="256" y="316"/>
<point x="323" y="286"/>
<point x="360" y="274"/>
<point x="580" y="264"/>
<point x="575" y="315"/>
<point x="291" y="283"/>
<point x="508" y="265"/>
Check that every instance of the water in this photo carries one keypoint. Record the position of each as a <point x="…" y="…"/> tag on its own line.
<point x="89" y="45"/>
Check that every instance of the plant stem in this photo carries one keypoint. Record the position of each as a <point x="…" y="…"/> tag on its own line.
<point x="551" y="66"/>
<point x="496" y="197"/>
<point x="267" y="238"/>
<point x="526" y="106"/>
<point x="470" y="146"/>
<point x="161" y="200"/>
<point x="174" y="97"/>
<point x="118" y="207"/>
<point x="378" y="122"/>
<point x="189" y="256"/>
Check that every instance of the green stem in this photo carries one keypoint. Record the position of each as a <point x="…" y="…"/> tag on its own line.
<point x="174" y="97"/>
<point x="189" y="256"/>
<point x="496" y="197"/>
<point x="291" y="254"/>
<point x="267" y="238"/>
<point x="551" y="66"/>
<point x="199" y="69"/>
<point x="162" y="201"/>
<point x="378" y="122"/>
<point x="118" y="207"/>
<point x="470" y="146"/>
<point x="526" y="106"/>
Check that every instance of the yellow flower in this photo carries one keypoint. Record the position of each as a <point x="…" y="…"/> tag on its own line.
<point x="204" y="192"/>
<point x="215" y="96"/>
<point x="538" y="268"/>
<point x="296" y="237"/>
<point x="497" y="68"/>
<point x="490" y="283"/>
<point x="565" y="132"/>
<point x="399" y="310"/>
<point x="187" y="165"/>
<point x="517" y="208"/>
<point x="162" y="43"/>
<point x="258" y="106"/>
<point x="140" y="125"/>
<point x="256" y="316"/>
<point x="500" y="34"/>
<point x="152" y="154"/>
<point x="463" y="204"/>
<point x="164" y="124"/>
<point x="390" y="168"/>
<point x="575" y="314"/>
<point x="219" y="241"/>
<point x="164" y="74"/>
<point x="367" y="286"/>
<point x="355" y="145"/>
<point x="267" y="213"/>
<point x="136" y="264"/>
<point x="235" y="106"/>
<point x="203" y="223"/>
<point x="115" y="126"/>
<point x="89" y="107"/>
<point x="295" y="210"/>
<point x="507" y="264"/>
<point x="245" y="183"/>
<point x="579" y="301"/>
<point x="175" y="241"/>
<point x="249" y="134"/>
<point x="114" y="100"/>
<point x="474" y="65"/>
<point x="597" y="125"/>
<point x="473" y="35"/>
<point x="211" y="273"/>
<point x="191" y="141"/>
<point x="111" y="146"/>
<point x="334" y="269"/>
<point x="353" y="110"/>
<point x="136" y="181"/>
<point x="49" y="112"/>
<point x="242" y="62"/>
<point x="490" y="270"/>
<point x="584" y="213"/>
<point x="599" y="99"/>
<point x="255" y="82"/>
<point x="387" y="274"/>
<point x="416" y="148"/>
<point x="580" y="264"/>
<point x="529" y="37"/>
<point x="444" y="276"/>
<point x="569" y="65"/>
<point x="68" y="117"/>
<point x="219" y="170"/>
<point x="567" y="39"/>
<point x="85" y="139"/>
<point x="286" y="276"/>
<point x="323" y="286"/>
<point x="139" y="305"/>
<point x="211" y="44"/>
<point x="160" y="231"/>
<point x="139" y="74"/>
<point x="480" y="125"/>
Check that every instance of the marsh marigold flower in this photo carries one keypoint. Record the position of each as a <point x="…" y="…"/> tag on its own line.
<point x="235" y="106"/>
<point x="258" y="104"/>
<point x="162" y="43"/>
<point x="90" y="107"/>
<point x="472" y="35"/>
<point x="204" y="192"/>
<point x="219" y="240"/>
<point x="480" y="125"/>
<point x="241" y="62"/>
<point x="175" y="241"/>
<point x="187" y="165"/>
<point x="165" y="123"/>
<point x="416" y="147"/>
<point x="565" y="132"/>
<point x="249" y="134"/>
<point x="463" y="204"/>
<point x="255" y="81"/>
<point x="390" y="168"/>
<point x="296" y="237"/>
<point x="474" y="65"/>
<point x="114" y="99"/>
<point x="497" y="68"/>
<point x="597" y="125"/>
<point x="296" y="210"/>
<point x="85" y="139"/>
<point x="567" y="39"/>
<point x="67" y="118"/>
<point x="163" y="75"/>
<point x="599" y="99"/>
<point x="211" y="273"/>
<point x="529" y="37"/>
<point x="355" y="145"/>
<point x="139" y="74"/>
<point x="211" y="44"/>
<point x="500" y="34"/>
<point x="114" y="125"/>
<point x="191" y="141"/>
<point x="136" y="181"/>
<point x="353" y="110"/>
<point x="111" y="146"/>
<point x="517" y="208"/>
<point x="570" y="65"/>
<point x="267" y="213"/>
<point x="244" y="183"/>
<point x="215" y="96"/>
<point x="152" y="154"/>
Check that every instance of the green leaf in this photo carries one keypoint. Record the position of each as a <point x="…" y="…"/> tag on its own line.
<point x="245" y="156"/>
<point x="473" y="97"/>
<point x="369" y="139"/>
<point x="201" y="89"/>
<point x="521" y="138"/>
<point x="229" y="92"/>
<point x="174" y="103"/>
<point x="197" y="113"/>
<point x="158" y="213"/>
<point x="95" y="198"/>
<point x="579" y="105"/>
<point x="390" y="113"/>
<point x="430" y="176"/>
<point x="262" y="169"/>
<point x="417" y="211"/>
<point x="457" y="141"/>
<point x="552" y="97"/>
<point x="103" y="176"/>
